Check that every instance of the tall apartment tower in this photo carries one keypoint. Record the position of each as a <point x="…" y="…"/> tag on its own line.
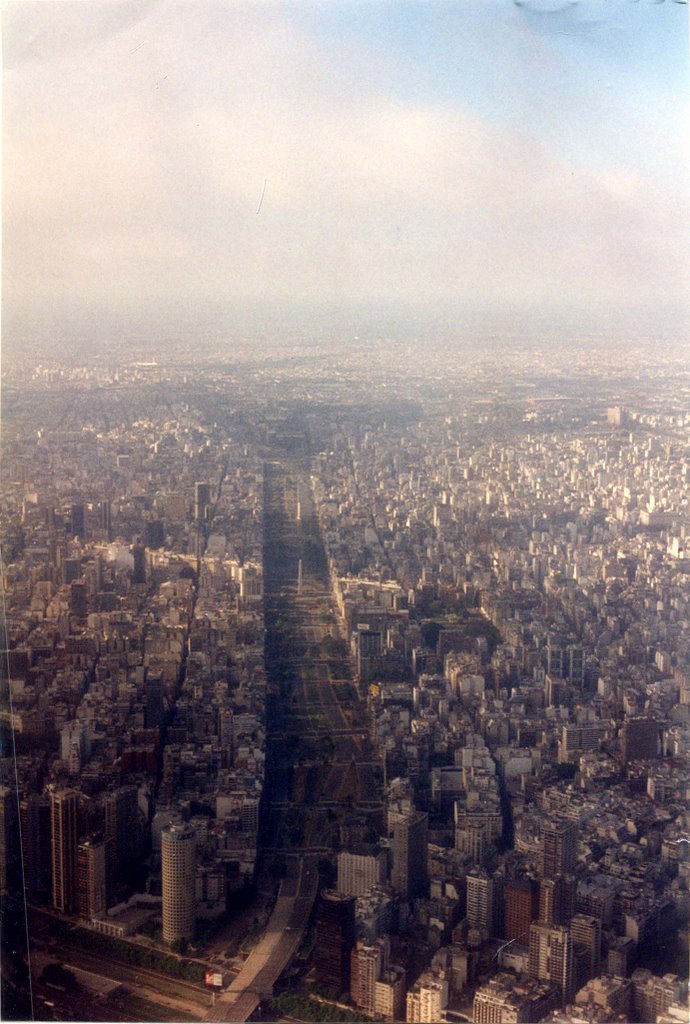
<point x="551" y="957"/>
<point x="557" y="899"/>
<point x="92" y="894"/>
<point x="640" y="738"/>
<point x="10" y="854"/>
<point x="389" y="994"/>
<point x="586" y="935"/>
<point x="34" y="814"/>
<point x="121" y="827"/>
<point x="178" y="858"/>
<point x="105" y="516"/>
<point x="202" y="499"/>
<point x="77" y="520"/>
<point x="427" y="999"/>
<point x="558" y="847"/>
<point x="576" y="664"/>
<point x="139" y="571"/>
<point x="367" y="964"/>
<point x="482" y="902"/>
<point x="409" y="875"/>
<point x="64" y="834"/>
<point x="335" y="939"/>
<point x="521" y="908"/>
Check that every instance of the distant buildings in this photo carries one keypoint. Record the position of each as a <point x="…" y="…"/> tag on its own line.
<point x="511" y="573"/>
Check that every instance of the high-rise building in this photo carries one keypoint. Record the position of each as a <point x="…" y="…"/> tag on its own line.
<point x="557" y="899"/>
<point x="139" y="572"/>
<point x="79" y="599"/>
<point x="75" y="745"/>
<point x="335" y="939"/>
<point x="367" y="963"/>
<point x="621" y="955"/>
<point x="361" y="869"/>
<point x="178" y="859"/>
<point x="154" y="533"/>
<point x="652" y="995"/>
<point x="121" y="831"/>
<point x="64" y="834"/>
<point x="34" y="813"/>
<point x="71" y="570"/>
<point x="521" y="908"/>
<point x="92" y="896"/>
<point x="558" y="847"/>
<point x="202" y="500"/>
<point x="597" y="897"/>
<point x="106" y="518"/>
<point x="551" y="957"/>
<point x="555" y="659"/>
<point x="76" y="521"/>
<point x="505" y="1000"/>
<point x="616" y="416"/>
<point x="389" y="994"/>
<point x="640" y="738"/>
<point x="368" y="650"/>
<point x="154" y="708"/>
<point x="586" y="935"/>
<point x="481" y="902"/>
<point x="427" y="999"/>
<point x="409" y="875"/>
<point x="576" y="664"/>
<point x="10" y="861"/>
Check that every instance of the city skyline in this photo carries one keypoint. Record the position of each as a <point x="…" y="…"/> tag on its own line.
<point x="344" y="528"/>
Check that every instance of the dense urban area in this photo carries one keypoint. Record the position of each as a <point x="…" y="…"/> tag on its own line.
<point x="347" y="683"/>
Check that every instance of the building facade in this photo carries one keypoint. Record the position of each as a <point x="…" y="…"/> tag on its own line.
<point x="178" y="858"/>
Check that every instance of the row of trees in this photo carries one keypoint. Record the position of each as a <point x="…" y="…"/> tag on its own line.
<point x="308" y="1009"/>
<point x="138" y="956"/>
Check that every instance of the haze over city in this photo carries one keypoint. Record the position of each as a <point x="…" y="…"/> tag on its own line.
<point x="344" y="526"/>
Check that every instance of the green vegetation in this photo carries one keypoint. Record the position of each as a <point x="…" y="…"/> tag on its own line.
<point x="346" y="692"/>
<point x="334" y="648"/>
<point x="310" y="1009"/>
<point x="251" y="938"/>
<point x="138" y="956"/>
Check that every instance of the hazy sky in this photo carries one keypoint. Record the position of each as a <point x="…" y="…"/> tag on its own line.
<point x="477" y="153"/>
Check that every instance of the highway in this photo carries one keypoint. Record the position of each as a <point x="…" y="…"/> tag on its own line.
<point x="276" y="948"/>
<point x="319" y="762"/>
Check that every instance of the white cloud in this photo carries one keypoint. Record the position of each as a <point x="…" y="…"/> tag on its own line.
<point x="136" y="151"/>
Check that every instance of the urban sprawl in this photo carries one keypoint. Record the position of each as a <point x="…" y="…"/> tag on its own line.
<point x="347" y="684"/>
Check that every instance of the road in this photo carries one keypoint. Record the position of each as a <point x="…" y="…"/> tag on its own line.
<point x="276" y="948"/>
<point x="319" y="763"/>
